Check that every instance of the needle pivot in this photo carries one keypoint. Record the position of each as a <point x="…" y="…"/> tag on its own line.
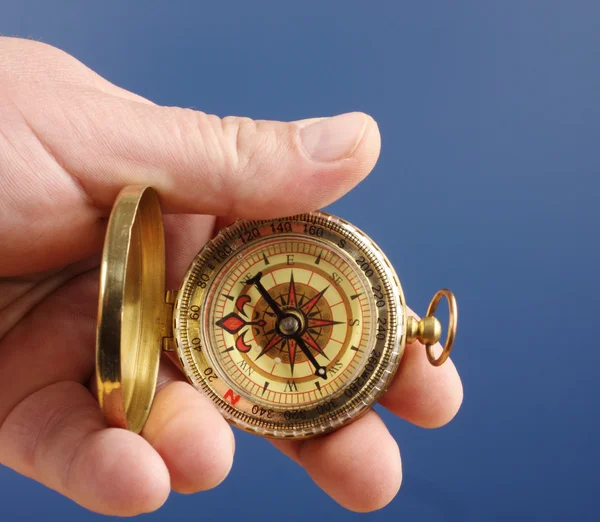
<point x="289" y="325"/>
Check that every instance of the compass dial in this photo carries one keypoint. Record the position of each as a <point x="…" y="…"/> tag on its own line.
<point x="292" y="326"/>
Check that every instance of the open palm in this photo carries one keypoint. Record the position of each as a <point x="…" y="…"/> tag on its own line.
<point x="69" y="142"/>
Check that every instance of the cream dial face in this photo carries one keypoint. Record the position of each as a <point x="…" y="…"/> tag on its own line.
<point x="293" y="326"/>
<point x="328" y="308"/>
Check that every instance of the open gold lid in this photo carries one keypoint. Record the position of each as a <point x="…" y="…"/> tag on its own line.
<point x="132" y="318"/>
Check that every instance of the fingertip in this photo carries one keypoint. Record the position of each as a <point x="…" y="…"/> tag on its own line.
<point x="384" y="481"/>
<point x="357" y="167"/>
<point x="301" y="166"/>
<point x="367" y="151"/>
<point x="359" y="466"/>
<point x="194" y="440"/>
<point x="331" y="180"/>
<point x="441" y="411"/>
<point x="116" y="472"/>
<point x="425" y="395"/>
<point x="199" y="465"/>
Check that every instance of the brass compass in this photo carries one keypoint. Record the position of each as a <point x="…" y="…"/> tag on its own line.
<point x="293" y="327"/>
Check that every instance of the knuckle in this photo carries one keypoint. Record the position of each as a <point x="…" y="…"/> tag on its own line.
<point x="209" y="142"/>
<point x="239" y="136"/>
<point x="185" y="123"/>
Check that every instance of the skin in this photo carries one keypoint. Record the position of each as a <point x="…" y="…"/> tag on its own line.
<point x="69" y="141"/>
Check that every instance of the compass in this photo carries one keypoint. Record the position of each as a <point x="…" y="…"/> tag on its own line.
<point x="293" y="327"/>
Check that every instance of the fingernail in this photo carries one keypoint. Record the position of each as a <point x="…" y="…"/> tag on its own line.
<point x="333" y="138"/>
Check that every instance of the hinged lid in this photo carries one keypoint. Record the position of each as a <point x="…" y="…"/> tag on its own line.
<point x="132" y="315"/>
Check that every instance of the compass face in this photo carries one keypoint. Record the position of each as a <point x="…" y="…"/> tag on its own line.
<point x="293" y="327"/>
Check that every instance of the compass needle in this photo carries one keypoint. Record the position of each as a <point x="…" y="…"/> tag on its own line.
<point x="320" y="371"/>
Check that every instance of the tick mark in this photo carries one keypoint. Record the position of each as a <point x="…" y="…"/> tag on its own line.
<point x="266" y="385"/>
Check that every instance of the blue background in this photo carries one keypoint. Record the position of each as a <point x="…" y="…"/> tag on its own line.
<point x="488" y="184"/>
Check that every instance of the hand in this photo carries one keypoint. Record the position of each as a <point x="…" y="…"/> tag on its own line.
<point x="69" y="142"/>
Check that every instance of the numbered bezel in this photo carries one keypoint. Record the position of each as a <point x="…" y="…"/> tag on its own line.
<point x="354" y="398"/>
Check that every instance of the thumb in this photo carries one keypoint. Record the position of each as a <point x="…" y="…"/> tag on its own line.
<point x="200" y="163"/>
<point x="99" y="142"/>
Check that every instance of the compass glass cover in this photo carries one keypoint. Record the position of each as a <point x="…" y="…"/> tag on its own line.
<point x="293" y="327"/>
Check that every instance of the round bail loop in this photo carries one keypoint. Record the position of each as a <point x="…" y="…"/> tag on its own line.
<point x="452" y="324"/>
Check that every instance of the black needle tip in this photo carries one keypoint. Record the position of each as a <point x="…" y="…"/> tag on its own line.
<point x="255" y="279"/>
<point x="321" y="372"/>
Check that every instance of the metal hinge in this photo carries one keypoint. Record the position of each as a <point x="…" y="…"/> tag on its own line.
<point x="168" y="343"/>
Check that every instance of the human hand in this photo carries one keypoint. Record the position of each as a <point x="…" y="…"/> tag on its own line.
<point x="69" y="142"/>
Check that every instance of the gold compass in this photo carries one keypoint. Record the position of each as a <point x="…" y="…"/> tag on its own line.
<point x="293" y="327"/>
